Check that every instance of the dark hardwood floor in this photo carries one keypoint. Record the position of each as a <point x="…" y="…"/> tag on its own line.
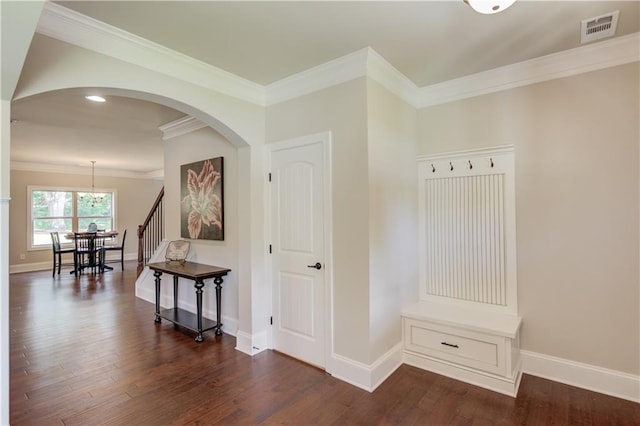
<point x="85" y="351"/>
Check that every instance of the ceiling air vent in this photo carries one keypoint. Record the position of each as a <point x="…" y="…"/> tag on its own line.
<point x="600" y="27"/>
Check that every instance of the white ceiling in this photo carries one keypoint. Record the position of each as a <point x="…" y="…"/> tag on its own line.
<point x="265" y="41"/>
<point x="428" y="41"/>
<point x="64" y="128"/>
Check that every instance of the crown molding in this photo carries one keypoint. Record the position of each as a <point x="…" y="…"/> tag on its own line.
<point x="82" y="170"/>
<point x="592" y="57"/>
<point x="380" y="70"/>
<point x="340" y="70"/>
<point x="72" y="27"/>
<point x="181" y="126"/>
<point x="361" y="63"/>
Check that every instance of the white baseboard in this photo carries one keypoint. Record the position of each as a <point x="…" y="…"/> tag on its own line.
<point x="244" y="343"/>
<point x="590" y="377"/>
<point x="489" y="381"/>
<point x="43" y="266"/>
<point x="36" y="266"/>
<point x="251" y="344"/>
<point x="367" y="377"/>
<point x="386" y="365"/>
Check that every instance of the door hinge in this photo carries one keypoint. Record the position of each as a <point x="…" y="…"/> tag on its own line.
<point x="271" y="320"/>
<point x="270" y="249"/>
<point x="269" y="177"/>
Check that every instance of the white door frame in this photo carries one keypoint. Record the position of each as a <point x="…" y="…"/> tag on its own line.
<point x="324" y="138"/>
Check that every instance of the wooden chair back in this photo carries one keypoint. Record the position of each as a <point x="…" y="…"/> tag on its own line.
<point x="55" y="241"/>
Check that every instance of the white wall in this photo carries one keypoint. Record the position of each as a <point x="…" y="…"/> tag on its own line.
<point x="200" y="145"/>
<point x="577" y="196"/>
<point x="342" y="110"/>
<point x="393" y="244"/>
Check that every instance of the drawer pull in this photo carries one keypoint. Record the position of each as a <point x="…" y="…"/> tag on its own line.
<point x="449" y="344"/>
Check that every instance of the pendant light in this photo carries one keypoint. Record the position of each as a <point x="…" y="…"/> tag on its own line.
<point x="93" y="198"/>
<point x="489" y="6"/>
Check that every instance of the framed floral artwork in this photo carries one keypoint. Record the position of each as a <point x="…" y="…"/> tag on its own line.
<point x="201" y="191"/>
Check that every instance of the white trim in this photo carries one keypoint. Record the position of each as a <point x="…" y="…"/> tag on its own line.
<point x="350" y="371"/>
<point x="385" y="366"/>
<point x="328" y="247"/>
<point x="605" y="54"/>
<point x="229" y="324"/>
<point x="81" y="170"/>
<point x="361" y="63"/>
<point x="503" y="385"/>
<point x="380" y="70"/>
<point x="251" y="344"/>
<point x="75" y="28"/>
<point x="180" y="127"/>
<point x="74" y="216"/>
<point x="332" y="73"/>
<point x="367" y="377"/>
<point x="4" y="286"/>
<point x="80" y="30"/>
<point x="469" y="153"/>
<point x="32" y="267"/>
<point x="244" y="343"/>
<point x="465" y="316"/>
<point x="597" y="379"/>
<point x="47" y="265"/>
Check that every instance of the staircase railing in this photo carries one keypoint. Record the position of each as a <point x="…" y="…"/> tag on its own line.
<point x="151" y="232"/>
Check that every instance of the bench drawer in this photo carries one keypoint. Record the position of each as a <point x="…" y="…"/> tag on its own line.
<point x="472" y="349"/>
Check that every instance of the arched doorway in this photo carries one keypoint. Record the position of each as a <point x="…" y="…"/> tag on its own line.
<point x="248" y="157"/>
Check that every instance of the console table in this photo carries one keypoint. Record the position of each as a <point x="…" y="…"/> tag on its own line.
<point x="197" y="272"/>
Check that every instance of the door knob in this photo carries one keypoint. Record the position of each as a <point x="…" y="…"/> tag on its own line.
<point x="317" y="266"/>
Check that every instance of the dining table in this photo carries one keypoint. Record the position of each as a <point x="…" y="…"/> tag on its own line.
<point x="92" y="237"/>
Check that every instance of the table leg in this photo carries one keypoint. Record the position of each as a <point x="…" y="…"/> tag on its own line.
<point x="175" y="292"/>
<point x="198" y="285"/>
<point x="218" y="282"/>
<point x="157" y="274"/>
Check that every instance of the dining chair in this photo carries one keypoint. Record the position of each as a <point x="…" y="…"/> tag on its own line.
<point x="89" y="252"/>
<point x="120" y="248"/>
<point x="58" y="251"/>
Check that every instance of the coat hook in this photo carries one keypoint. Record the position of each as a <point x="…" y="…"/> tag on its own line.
<point x="433" y="169"/>
<point x="451" y="165"/>
<point x="470" y="165"/>
<point x="491" y="159"/>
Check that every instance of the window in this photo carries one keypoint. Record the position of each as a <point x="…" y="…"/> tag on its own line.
<point x="63" y="210"/>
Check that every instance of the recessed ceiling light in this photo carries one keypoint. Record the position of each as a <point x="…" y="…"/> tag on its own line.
<point x="95" y="98"/>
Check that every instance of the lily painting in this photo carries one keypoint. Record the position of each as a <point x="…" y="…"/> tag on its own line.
<point x="202" y="200"/>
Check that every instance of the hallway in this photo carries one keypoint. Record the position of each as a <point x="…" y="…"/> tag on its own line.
<point x="85" y="351"/>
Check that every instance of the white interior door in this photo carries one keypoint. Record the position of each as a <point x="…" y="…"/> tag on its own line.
<point x="297" y="246"/>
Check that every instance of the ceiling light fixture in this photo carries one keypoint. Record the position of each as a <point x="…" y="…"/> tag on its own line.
<point x="92" y="198"/>
<point x="95" y="98"/>
<point x="489" y="6"/>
